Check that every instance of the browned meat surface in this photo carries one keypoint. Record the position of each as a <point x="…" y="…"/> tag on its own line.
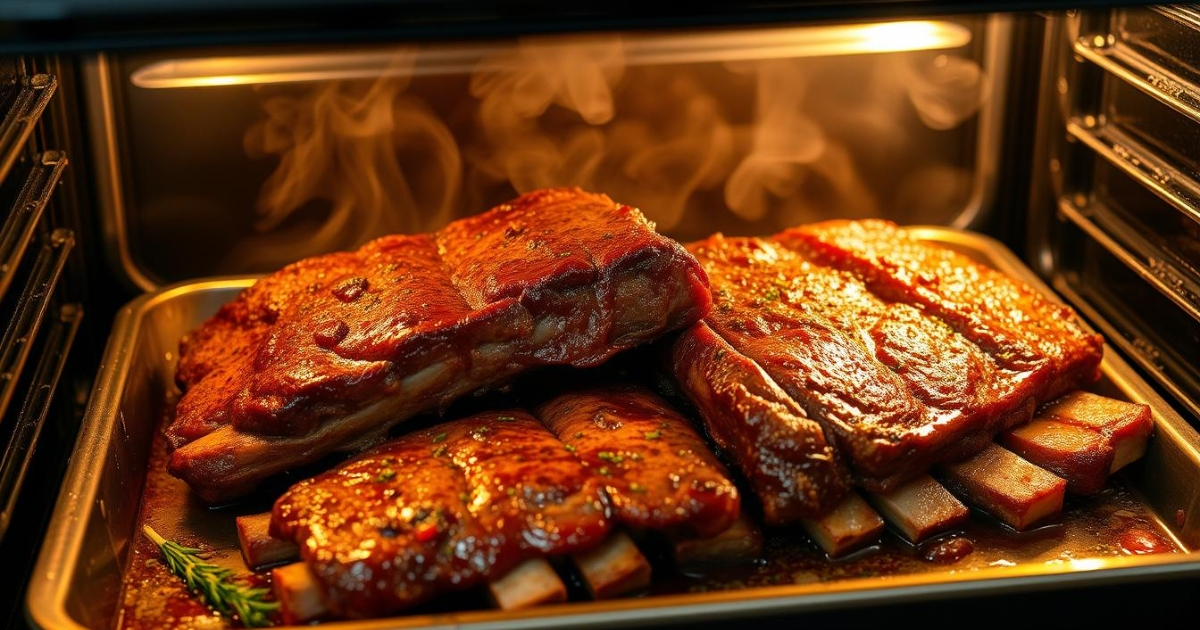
<point x="1036" y="339"/>
<point x="216" y="360"/>
<point x="916" y="356"/>
<point x="657" y="471"/>
<point x="781" y="451"/>
<point x="330" y="353"/>
<point x="762" y="309"/>
<point x="463" y="502"/>
<point x="441" y="509"/>
<point x="527" y="488"/>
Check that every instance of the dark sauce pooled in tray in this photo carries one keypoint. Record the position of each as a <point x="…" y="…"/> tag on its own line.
<point x="1115" y="522"/>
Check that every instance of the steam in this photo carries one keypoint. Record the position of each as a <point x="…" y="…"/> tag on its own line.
<point x="947" y="91"/>
<point x="375" y="154"/>
<point x="786" y="140"/>
<point x="760" y="144"/>
<point x="547" y="112"/>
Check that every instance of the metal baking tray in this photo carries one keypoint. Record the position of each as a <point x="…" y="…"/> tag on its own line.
<point x="91" y="539"/>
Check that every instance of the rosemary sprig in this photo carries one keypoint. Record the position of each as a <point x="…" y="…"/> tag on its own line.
<point x="211" y="582"/>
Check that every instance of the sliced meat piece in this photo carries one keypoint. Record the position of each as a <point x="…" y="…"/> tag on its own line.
<point x="850" y="526"/>
<point x="532" y="583"/>
<point x="1083" y="438"/>
<point x="1020" y="328"/>
<point x="1081" y="456"/>
<point x="780" y="450"/>
<point x="1001" y="483"/>
<point x="441" y="509"/>
<point x="614" y="568"/>
<point x="1127" y="426"/>
<point x="657" y="470"/>
<point x="920" y="509"/>
<point x="332" y="352"/>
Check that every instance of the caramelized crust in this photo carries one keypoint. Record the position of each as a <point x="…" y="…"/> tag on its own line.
<point x="331" y="352"/>
<point x="1023" y="331"/>
<point x="782" y="452"/>
<point x="657" y="471"/>
<point x="762" y="310"/>
<point x="906" y="353"/>
<point x="438" y="510"/>
<point x="464" y="502"/>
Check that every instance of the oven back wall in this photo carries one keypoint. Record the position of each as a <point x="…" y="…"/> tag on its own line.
<point x="230" y="161"/>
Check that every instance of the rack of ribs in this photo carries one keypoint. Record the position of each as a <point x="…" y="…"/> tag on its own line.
<point x="873" y="356"/>
<point x="464" y="502"/>
<point x="331" y="352"/>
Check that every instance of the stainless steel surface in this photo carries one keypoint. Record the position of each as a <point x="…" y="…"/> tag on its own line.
<point x="77" y="579"/>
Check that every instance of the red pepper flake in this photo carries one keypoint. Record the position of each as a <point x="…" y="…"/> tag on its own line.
<point x="427" y="531"/>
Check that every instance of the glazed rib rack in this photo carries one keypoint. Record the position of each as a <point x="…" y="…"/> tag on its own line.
<point x="329" y="353"/>
<point x="849" y="353"/>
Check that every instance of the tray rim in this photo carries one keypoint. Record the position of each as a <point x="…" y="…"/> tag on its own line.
<point x="45" y="602"/>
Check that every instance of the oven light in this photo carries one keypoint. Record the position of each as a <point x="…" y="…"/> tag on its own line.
<point x="898" y="36"/>
<point x="637" y="48"/>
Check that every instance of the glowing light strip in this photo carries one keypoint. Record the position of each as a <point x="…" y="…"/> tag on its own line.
<point x="778" y="43"/>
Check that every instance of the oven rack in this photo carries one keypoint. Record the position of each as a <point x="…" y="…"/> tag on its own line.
<point x="39" y="318"/>
<point x="1126" y="243"/>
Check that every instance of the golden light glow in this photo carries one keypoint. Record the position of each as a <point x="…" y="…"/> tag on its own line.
<point x="640" y="49"/>
<point x="1086" y="564"/>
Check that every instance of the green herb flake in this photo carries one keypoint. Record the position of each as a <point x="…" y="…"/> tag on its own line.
<point x="637" y="487"/>
<point x="506" y="418"/>
<point x="441" y="437"/>
<point x="512" y="492"/>
<point x="603" y="471"/>
<point x="653" y="435"/>
<point x="213" y="583"/>
<point x="610" y="457"/>
<point x="386" y="475"/>
<point x="570" y="447"/>
<point x="578" y="434"/>
<point x="439" y="451"/>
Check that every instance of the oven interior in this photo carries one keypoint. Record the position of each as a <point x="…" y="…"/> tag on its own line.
<point x="1067" y="135"/>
